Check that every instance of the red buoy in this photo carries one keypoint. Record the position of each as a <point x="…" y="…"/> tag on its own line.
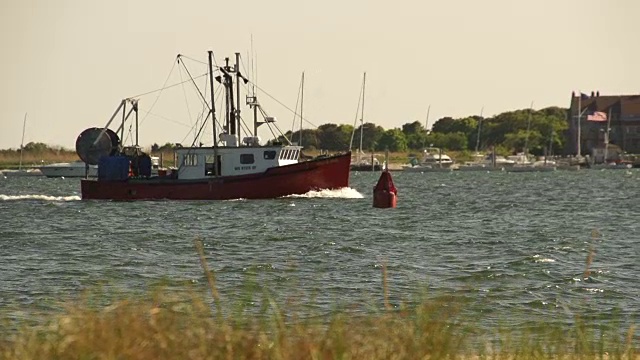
<point x="385" y="194"/>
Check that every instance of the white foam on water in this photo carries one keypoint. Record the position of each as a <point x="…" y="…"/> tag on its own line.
<point x="39" y="197"/>
<point x="343" y="193"/>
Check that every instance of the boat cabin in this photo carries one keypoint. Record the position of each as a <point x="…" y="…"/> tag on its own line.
<point x="201" y="162"/>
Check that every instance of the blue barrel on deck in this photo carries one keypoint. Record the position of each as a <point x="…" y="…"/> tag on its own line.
<point x="113" y="168"/>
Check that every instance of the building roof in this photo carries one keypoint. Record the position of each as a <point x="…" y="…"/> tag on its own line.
<point x="625" y="107"/>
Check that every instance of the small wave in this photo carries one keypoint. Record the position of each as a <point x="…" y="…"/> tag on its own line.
<point x="39" y="197"/>
<point x="540" y="259"/>
<point x="343" y="193"/>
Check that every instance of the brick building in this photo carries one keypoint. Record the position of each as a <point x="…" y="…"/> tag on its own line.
<point x="622" y="114"/>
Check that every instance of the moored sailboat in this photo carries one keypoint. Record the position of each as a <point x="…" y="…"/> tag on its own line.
<point x="362" y="161"/>
<point x="234" y="167"/>
<point x="20" y="171"/>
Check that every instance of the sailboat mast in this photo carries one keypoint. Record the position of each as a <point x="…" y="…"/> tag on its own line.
<point x="24" y="124"/>
<point x="479" y="128"/>
<point x="237" y="68"/>
<point x="526" y="139"/>
<point x="364" y="83"/>
<point x="301" y="104"/>
<point x="426" y="123"/>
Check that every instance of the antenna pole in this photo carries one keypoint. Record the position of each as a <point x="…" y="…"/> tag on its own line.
<point x="254" y="74"/>
<point x="364" y="83"/>
<point x="213" y="116"/>
<point x="134" y="104"/>
<point x="301" y="103"/>
<point x="237" y="68"/>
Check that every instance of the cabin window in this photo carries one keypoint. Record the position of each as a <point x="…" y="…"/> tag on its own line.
<point x="190" y="160"/>
<point x="269" y="155"/>
<point x="246" y="159"/>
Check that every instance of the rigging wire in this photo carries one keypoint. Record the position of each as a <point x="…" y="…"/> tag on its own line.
<point x="204" y="102"/>
<point x="196" y="86"/>
<point x="255" y="86"/>
<point x="293" y="122"/>
<point x="281" y="104"/>
<point x="186" y="101"/>
<point x="166" y="118"/>
<point x="164" y="87"/>
<point x="264" y="114"/>
<point x="356" y="118"/>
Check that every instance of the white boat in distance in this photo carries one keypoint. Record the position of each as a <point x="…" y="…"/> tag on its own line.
<point x="69" y="170"/>
<point x="489" y="162"/>
<point x="77" y="169"/>
<point x="524" y="164"/>
<point x="434" y="160"/>
<point x="21" y="171"/>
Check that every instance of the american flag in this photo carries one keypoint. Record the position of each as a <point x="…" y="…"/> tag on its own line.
<point x="597" y="116"/>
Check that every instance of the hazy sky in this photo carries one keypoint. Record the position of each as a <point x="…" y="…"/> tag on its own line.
<point x="69" y="62"/>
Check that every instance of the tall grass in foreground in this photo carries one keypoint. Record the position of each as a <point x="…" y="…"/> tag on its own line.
<point x="187" y="325"/>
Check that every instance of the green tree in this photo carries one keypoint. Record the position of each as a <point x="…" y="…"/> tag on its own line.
<point x="449" y="141"/>
<point x="413" y="128"/>
<point x="371" y="134"/>
<point x="309" y="138"/>
<point x="392" y="140"/>
<point x="417" y="141"/>
<point x="36" y="147"/>
<point x="334" y="137"/>
<point x="447" y="125"/>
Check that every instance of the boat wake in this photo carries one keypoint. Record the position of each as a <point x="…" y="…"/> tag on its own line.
<point x="38" y="197"/>
<point x="343" y="193"/>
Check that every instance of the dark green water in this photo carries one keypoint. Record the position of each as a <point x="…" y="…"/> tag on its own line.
<point x="514" y="245"/>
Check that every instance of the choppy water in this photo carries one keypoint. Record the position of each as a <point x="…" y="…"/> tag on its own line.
<point x="514" y="245"/>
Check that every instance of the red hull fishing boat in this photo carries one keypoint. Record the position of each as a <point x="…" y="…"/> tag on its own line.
<point x="234" y="167"/>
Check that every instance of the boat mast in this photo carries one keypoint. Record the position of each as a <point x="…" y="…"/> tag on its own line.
<point x="231" y="111"/>
<point x="301" y="104"/>
<point x="255" y="97"/>
<point x="24" y="124"/>
<point x="124" y="118"/>
<point x="213" y="115"/>
<point x="426" y="123"/>
<point x="253" y="90"/>
<point x="479" y="128"/>
<point x="364" y="83"/>
<point x="526" y="139"/>
<point x="134" y="104"/>
<point x="237" y="112"/>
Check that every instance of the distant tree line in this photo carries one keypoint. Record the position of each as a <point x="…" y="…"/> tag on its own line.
<point x="507" y="132"/>
<point x="38" y="148"/>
